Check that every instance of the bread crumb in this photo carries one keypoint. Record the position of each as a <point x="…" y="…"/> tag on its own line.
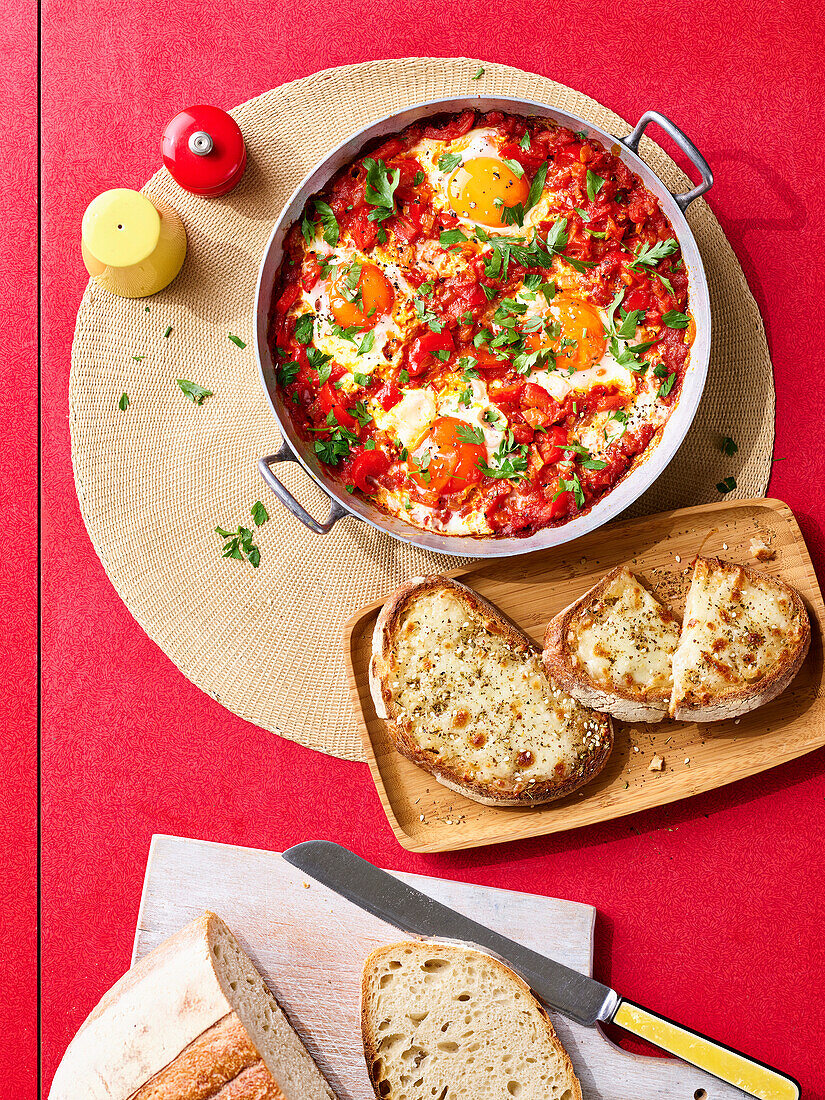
<point x="760" y="550"/>
<point x="678" y="557"/>
<point x="687" y="759"/>
<point x="724" y="546"/>
<point x="657" y="764"/>
<point x="305" y="885"/>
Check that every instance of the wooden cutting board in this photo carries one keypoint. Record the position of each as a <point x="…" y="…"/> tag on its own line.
<point x="310" y="945"/>
<point x="427" y="817"/>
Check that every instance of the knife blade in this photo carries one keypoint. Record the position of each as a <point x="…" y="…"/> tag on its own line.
<point x="575" y="995"/>
<point x="581" y="998"/>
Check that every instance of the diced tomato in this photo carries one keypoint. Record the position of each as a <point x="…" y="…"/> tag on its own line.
<point x="328" y="397"/>
<point x="610" y="401"/>
<point x="507" y="392"/>
<point x="522" y="433"/>
<point x="391" y="148"/>
<point x="636" y="299"/>
<point x="551" y="444"/>
<point x="311" y="272"/>
<point x="288" y="297"/>
<point x="423" y="348"/>
<point x="365" y="466"/>
<point x="536" y="418"/>
<point x="536" y="397"/>
<point x="406" y="230"/>
<point x="388" y="396"/>
<point x="487" y="360"/>
<point x="364" y="232"/>
<point x="563" y="503"/>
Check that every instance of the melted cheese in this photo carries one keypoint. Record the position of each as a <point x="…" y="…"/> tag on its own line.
<point x="625" y="639"/>
<point x="737" y="629"/>
<point x="478" y="705"/>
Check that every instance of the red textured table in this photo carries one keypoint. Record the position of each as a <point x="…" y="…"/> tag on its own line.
<point x="711" y="910"/>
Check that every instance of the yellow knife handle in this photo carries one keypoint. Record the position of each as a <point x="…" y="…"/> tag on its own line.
<point x="728" y="1065"/>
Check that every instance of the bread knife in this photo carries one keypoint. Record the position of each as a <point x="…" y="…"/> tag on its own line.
<point x="575" y="995"/>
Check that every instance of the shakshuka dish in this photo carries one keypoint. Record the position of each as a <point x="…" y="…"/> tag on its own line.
<point x="482" y="324"/>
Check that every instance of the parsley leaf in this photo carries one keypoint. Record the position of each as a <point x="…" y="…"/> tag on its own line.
<point x="729" y="448"/>
<point x="196" y="394"/>
<point x="448" y="161"/>
<point x="237" y="341"/>
<point x="239" y="545"/>
<point x="320" y="363"/>
<point x="362" y="414"/>
<point x="329" y="222"/>
<point x="674" y="319"/>
<point x="537" y="186"/>
<point x="594" y="185"/>
<point x="303" y="328"/>
<point x="509" y="462"/>
<point x="468" y="434"/>
<point x="648" y="255"/>
<point x="573" y="486"/>
<point x="514" y="167"/>
<point x="450" y="237"/>
<point x="726" y="486"/>
<point x="479" y="74"/>
<point x="288" y="372"/>
<point x="380" y="188"/>
<point x="525" y="142"/>
<point x="259" y="513"/>
<point x="630" y="322"/>
<point x="367" y="343"/>
<point x="667" y="385"/>
<point x="123" y="404"/>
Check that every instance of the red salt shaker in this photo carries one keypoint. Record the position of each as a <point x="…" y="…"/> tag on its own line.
<point x="203" y="150"/>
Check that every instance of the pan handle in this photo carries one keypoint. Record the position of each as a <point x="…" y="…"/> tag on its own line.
<point x="684" y="143"/>
<point x="265" y="464"/>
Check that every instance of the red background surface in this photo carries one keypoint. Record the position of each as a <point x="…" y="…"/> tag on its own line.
<point x="711" y="911"/>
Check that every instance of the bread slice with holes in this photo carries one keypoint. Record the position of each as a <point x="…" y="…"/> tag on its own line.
<point x="464" y="695"/>
<point x="744" y="638"/>
<point x="443" y="1021"/>
<point x="612" y="649"/>
<point x="192" y="1020"/>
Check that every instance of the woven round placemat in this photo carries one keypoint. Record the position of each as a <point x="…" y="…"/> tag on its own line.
<point x="155" y="480"/>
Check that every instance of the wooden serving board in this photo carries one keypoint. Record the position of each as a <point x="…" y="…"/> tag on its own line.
<point x="427" y="817"/>
<point x="310" y="945"/>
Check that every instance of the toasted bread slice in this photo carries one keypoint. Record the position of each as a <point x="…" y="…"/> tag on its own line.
<point x="444" y="1020"/>
<point x="465" y="697"/>
<point x="612" y="649"/>
<point x="744" y="638"/>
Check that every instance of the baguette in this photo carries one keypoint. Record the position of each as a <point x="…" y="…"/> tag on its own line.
<point x="612" y="649"/>
<point x="464" y="695"/>
<point x="744" y="638"/>
<point x="442" y="1020"/>
<point x="191" y="1021"/>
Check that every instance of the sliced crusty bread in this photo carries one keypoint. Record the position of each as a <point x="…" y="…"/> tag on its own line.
<point x="192" y="1020"/>
<point x="442" y="1020"/>
<point x="744" y="638"/>
<point x="465" y="697"/>
<point x="612" y="649"/>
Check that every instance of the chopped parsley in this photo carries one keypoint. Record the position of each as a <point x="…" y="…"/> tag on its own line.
<point x="674" y="319"/>
<point x="448" y="161"/>
<point x="594" y="185"/>
<point x="320" y="363"/>
<point x="450" y="237"/>
<point x="379" y="190"/>
<point x="362" y="415"/>
<point x="288" y="372"/>
<point x="726" y="486"/>
<point x="729" y="448"/>
<point x="168" y="332"/>
<point x="418" y="179"/>
<point x="328" y="221"/>
<point x="667" y="385"/>
<point x="509" y="462"/>
<point x="303" y="328"/>
<point x="239" y="545"/>
<point x="123" y="404"/>
<point x="525" y="142"/>
<point x="196" y="394"/>
<point x="470" y="435"/>
<point x="367" y="343"/>
<point x="237" y="341"/>
<point x="479" y="74"/>
<point x="259" y="513"/>
<point x="574" y="486"/>
<point x="648" y="255"/>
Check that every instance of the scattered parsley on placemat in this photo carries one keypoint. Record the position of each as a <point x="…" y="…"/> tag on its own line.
<point x="123" y="404"/>
<point x="196" y="394"/>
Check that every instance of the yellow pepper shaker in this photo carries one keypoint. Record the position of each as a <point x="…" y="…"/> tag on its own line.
<point x="132" y="244"/>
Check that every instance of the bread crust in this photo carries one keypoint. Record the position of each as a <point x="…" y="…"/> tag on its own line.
<point x="168" y="1031"/>
<point x="621" y="704"/>
<point x="370" y="1047"/>
<point x="744" y="699"/>
<point x="382" y="642"/>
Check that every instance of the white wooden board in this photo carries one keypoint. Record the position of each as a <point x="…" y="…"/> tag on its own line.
<point x="310" y="945"/>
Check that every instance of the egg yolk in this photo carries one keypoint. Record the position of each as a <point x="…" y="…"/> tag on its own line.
<point x="573" y="332"/>
<point x="480" y="189"/>
<point x="360" y="296"/>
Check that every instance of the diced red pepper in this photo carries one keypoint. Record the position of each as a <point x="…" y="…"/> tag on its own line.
<point x="424" y="347"/>
<point x="365" y="466"/>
